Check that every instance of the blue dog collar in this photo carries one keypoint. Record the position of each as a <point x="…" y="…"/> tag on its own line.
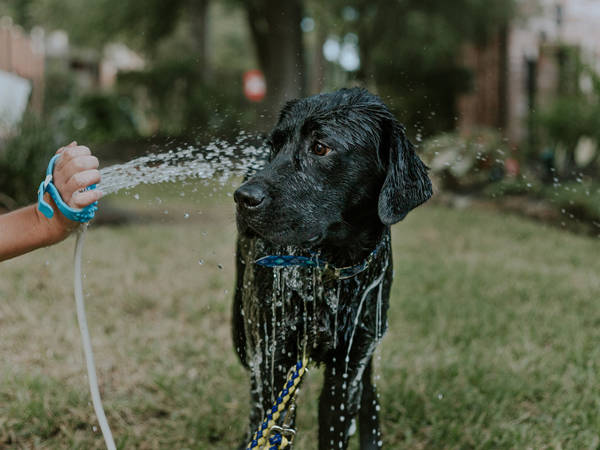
<point x="330" y="271"/>
<point x="76" y="215"/>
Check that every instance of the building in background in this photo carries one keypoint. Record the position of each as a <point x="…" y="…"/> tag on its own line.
<point x="527" y="64"/>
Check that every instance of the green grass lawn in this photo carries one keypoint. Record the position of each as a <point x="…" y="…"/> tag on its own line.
<point x="493" y="341"/>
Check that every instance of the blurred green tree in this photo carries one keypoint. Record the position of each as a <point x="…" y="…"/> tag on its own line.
<point x="574" y="115"/>
<point x="410" y="50"/>
<point x="145" y="25"/>
<point x="142" y="24"/>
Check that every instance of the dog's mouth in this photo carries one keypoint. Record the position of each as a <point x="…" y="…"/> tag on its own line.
<point x="280" y="237"/>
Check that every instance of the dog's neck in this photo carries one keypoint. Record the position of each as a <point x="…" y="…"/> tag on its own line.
<point x="362" y="231"/>
<point x="357" y="246"/>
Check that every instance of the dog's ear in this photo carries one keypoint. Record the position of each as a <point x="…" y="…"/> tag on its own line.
<point x="406" y="184"/>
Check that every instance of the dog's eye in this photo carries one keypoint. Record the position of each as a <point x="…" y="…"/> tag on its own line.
<point x="320" y="149"/>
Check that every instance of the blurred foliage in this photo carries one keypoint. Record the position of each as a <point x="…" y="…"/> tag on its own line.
<point x="63" y="86"/>
<point x="566" y="127"/>
<point x="522" y="185"/>
<point x="569" y="118"/>
<point x="408" y="48"/>
<point x="95" y="118"/>
<point x="89" y="116"/>
<point x="169" y="94"/>
<point x="23" y="161"/>
<point x="580" y="200"/>
<point x="19" y="10"/>
<point x="140" y="22"/>
<point x="468" y="162"/>
<point x="409" y="51"/>
<point x="573" y="200"/>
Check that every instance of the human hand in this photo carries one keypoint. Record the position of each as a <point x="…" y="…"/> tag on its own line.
<point x="75" y="170"/>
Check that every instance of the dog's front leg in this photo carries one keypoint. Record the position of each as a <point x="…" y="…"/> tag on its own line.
<point x="368" y="416"/>
<point x="256" y="409"/>
<point x="338" y="406"/>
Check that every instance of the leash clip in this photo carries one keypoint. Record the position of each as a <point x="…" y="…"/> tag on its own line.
<point x="282" y="435"/>
<point x="76" y="215"/>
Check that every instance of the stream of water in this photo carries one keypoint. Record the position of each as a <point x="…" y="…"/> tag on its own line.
<point x="218" y="161"/>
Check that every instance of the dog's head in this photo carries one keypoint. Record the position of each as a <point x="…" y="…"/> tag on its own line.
<point x="337" y="162"/>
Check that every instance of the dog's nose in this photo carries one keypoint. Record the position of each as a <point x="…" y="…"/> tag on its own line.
<point x="249" y="195"/>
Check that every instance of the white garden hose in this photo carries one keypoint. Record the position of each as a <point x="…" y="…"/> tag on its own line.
<point x="87" y="344"/>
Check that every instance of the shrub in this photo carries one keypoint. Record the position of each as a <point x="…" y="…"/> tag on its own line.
<point x="23" y="161"/>
<point x="567" y="121"/>
<point x="173" y="97"/>
<point x="467" y="162"/>
<point x="95" y="118"/>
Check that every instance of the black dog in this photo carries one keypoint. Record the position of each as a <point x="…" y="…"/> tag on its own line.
<point x="341" y="171"/>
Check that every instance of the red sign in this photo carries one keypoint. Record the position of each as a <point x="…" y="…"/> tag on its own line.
<point x="255" y="86"/>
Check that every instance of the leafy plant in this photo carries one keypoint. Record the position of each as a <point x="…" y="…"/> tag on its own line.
<point x="96" y="118"/>
<point x="567" y="120"/>
<point x="468" y="162"/>
<point x="23" y="160"/>
<point x="172" y="96"/>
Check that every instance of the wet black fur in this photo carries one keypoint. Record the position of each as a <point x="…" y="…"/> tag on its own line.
<point x="339" y="205"/>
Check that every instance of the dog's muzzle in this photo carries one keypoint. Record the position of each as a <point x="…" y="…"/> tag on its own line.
<point x="251" y="196"/>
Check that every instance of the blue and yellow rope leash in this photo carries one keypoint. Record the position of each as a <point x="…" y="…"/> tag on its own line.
<point x="269" y="427"/>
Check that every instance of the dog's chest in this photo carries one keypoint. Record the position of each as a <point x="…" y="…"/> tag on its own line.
<point x="294" y="308"/>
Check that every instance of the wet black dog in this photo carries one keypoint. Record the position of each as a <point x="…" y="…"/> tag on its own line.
<point x="341" y="171"/>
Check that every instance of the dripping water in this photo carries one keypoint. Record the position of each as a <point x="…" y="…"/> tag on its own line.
<point x="378" y="282"/>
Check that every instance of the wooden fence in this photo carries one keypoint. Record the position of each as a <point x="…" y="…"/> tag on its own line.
<point x="23" y="56"/>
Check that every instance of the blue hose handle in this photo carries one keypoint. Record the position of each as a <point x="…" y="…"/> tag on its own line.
<point x="76" y="215"/>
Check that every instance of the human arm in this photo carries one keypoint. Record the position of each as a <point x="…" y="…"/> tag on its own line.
<point x="26" y="229"/>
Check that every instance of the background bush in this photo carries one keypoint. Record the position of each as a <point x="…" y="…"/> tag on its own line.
<point x="23" y="162"/>
<point x="467" y="162"/>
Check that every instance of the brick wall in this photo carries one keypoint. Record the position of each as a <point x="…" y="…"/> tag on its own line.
<point x="484" y="105"/>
